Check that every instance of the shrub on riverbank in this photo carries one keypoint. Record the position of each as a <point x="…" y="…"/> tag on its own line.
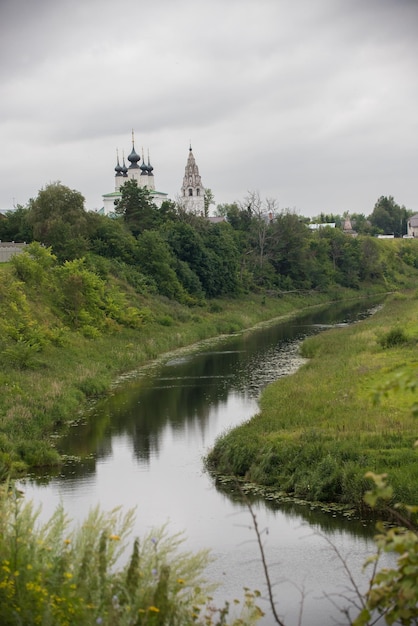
<point x="58" y="575"/>
<point x="319" y="431"/>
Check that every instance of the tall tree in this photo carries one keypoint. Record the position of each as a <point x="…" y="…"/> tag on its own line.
<point x="59" y="220"/>
<point x="16" y="226"/>
<point x="157" y="261"/>
<point x="209" y="199"/>
<point x="388" y="217"/>
<point x="137" y="208"/>
<point x="288" y="248"/>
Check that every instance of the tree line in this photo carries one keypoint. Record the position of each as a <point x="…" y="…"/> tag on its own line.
<point x="188" y="258"/>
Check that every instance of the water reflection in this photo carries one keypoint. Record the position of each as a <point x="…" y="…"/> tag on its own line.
<point x="187" y="389"/>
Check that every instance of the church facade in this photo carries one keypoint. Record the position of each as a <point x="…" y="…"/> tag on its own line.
<point x="192" y="194"/>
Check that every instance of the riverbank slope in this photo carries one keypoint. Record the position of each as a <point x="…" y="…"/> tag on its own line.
<point x="49" y="380"/>
<point x="347" y="411"/>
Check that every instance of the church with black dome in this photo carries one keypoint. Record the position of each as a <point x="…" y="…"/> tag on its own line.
<point x="192" y="191"/>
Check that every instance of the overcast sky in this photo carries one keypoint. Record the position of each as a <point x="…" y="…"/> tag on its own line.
<point x="311" y="102"/>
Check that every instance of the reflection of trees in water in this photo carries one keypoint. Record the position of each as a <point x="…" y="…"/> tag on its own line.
<point x="182" y="393"/>
<point x="318" y="518"/>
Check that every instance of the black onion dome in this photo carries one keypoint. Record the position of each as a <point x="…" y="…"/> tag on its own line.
<point x="149" y="167"/>
<point x="133" y="158"/>
<point x="118" y="168"/>
<point x="143" y="167"/>
<point x="124" y="169"/>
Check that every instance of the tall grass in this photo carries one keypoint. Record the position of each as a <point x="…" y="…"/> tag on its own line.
<point x="57" y="575"/>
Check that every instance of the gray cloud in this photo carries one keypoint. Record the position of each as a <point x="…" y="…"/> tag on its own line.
<point x="312" y="103"/>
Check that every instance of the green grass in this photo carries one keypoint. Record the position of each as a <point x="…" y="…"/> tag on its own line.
<point x="320" y="430"/>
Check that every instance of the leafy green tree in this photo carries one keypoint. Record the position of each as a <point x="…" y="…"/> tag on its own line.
<point x="59" y="220"/>
<point x="350" y="263"/>
<point x="287" y="248"/>
<point x="209" y="199"/>
<point x="321" y="272"/>
<point x="361" y="224"/>
<point x="110" y="238"/>
<point x="388" y="217"/>
<point x="16" y="226"/>
<point x="137" y="208"/>
<point x="224" y="260"/>
<point x="157" y="261"/>
<point x="81" y="295"/>
<point x="371" y="267"/>
<point x="188" y="247"/>
<point x="168" y="212"/>
<point x="238" y="217"/>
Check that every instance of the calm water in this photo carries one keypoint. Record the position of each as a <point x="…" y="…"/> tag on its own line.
<point x="143" y="448"/>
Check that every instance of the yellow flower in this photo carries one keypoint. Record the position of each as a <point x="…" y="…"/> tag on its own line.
<point x="67" y="541"/>
<point x="154" y="609"/>
<point x="68" y="575"/>
<point x="114" y="537"/>
<point x="180" y="581"/>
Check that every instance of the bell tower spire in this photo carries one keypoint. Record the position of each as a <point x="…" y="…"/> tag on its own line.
<point x="192" y="190"/>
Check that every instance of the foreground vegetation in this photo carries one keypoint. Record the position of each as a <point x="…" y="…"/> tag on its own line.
<point x="56" y="575"/>
<point x="319" y="431"/>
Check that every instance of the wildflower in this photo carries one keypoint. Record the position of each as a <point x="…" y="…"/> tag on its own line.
<point x="154" y="572"/>
<point x="67" y="541"/>
<point x="154" y="609"/>
<point x="114" y="537"/>
<point x="180" y="581"/>
<point x="153" y="540"/>
<point x="99" y="620"/>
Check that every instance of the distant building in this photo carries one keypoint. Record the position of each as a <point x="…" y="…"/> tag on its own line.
<point x="412" y="226"/>
<point x="348" y="229"/>
<point x="192" y="191"/>
<point x="321" y="225"/>
<point x="143" y="174"/>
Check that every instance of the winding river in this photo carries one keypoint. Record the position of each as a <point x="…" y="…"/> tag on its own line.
<point x="143" y="447"/>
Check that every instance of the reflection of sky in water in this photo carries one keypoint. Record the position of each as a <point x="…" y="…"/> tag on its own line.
<point x="144" y="449"/>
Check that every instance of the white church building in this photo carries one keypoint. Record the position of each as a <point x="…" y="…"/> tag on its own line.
<point x="192" y="195"/>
